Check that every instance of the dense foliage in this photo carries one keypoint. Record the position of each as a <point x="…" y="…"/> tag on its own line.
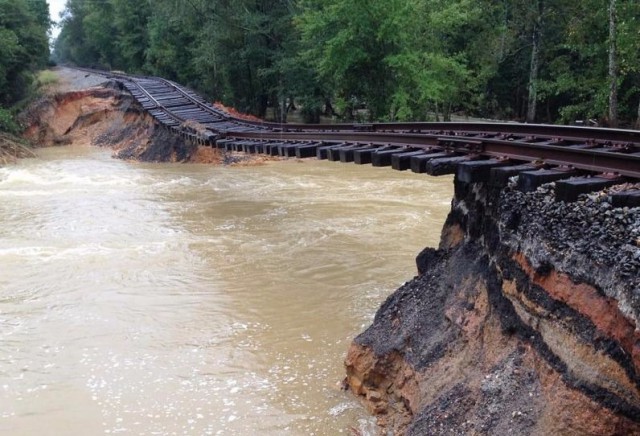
<point x="24" y="48"/>
<point x="534" y="60"/>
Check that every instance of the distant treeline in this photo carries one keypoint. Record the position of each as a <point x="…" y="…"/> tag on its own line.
<point x="533" y="60"/>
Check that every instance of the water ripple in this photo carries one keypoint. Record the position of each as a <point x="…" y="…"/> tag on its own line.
<point x="171" y="299"/>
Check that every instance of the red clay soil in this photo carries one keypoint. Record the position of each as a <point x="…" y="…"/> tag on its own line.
<point x="234" y="113"/>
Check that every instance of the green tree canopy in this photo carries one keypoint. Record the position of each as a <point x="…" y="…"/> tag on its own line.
<point x="543" y="60"/>
<point x="24" y="47"/>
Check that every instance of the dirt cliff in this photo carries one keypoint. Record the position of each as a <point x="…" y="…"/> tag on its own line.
<point x="106" y="115"/>
<point x="523" y="321"/>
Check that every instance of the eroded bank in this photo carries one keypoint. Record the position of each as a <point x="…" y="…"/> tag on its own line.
<point x="108" y="116"/>
<point x="524" y="321"/>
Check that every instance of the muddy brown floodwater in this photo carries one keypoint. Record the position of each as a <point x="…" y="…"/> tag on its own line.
<point x="191" y="299"/>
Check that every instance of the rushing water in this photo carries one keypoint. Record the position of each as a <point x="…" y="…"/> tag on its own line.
<point x="190" y="299"/>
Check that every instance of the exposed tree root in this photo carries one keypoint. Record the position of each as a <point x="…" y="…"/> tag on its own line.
<point x="13" y="148"/>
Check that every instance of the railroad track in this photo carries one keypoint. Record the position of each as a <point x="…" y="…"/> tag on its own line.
<point x="579" y="159"/>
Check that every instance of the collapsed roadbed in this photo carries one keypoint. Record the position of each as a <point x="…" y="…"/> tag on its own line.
<point x="108" y="116"/>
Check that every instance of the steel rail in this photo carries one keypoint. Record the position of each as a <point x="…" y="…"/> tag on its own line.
<point x="575" y="133"/>
<point x="151" y="97"/>
<point x="194" y="101"/>
<point x="594" y="149"/>
<point x="134" y="80"/>
<point x="596" y="160"/>
<point x="572" y="133"/>
<point x="547" y="130"/>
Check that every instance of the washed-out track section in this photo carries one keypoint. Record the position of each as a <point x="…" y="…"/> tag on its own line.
<point x="578" y="159"/>
<point x="181" y="109"/>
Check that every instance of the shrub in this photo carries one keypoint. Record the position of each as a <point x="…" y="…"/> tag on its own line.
<point x="7" y="122"/>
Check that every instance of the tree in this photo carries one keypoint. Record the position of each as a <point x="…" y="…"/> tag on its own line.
<point x="86" y="36"/>
<point x="24" y="48"/>
<point x="613" y="66"/>
<point x="171" y="45"/>
<point x="535" y="60"/>
<point x="628" y="56"/>
<point x="130" y="20"/>
<point x="541" y="60"/>
<point x="348" y="43"/>
<point x="447" y="54"/>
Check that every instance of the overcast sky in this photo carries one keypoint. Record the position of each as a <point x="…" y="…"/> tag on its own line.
<point x="55" y="7"/>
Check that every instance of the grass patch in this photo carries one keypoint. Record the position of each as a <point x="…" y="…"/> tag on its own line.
<point x="46" y="78"/>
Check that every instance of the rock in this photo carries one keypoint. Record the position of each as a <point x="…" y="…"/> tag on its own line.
<point x="524" y="321"/>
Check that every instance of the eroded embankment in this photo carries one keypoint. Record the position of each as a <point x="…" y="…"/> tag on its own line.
<point x="524" y="321"/>
<point x="108" y="116"/>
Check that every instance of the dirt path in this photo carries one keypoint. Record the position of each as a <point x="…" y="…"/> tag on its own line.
<point x="70" y="80"/>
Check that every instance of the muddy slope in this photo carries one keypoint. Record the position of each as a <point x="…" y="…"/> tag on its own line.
<point x="524" y="321"/>
<point x="103" y="115"/>
<point x="108" y="116"/>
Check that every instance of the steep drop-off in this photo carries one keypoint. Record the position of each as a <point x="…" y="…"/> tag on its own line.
<point x="524" y="321"/>
<point x="108" y="116"/>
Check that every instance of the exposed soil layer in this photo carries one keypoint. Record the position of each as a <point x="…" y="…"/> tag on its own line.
<point x="106" y="115"/>
<point x="524" y="321"/>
